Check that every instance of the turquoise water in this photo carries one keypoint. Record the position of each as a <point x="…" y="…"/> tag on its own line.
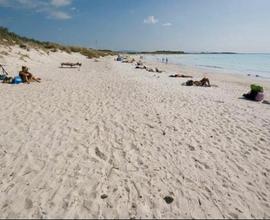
<point x="253" y="64"/>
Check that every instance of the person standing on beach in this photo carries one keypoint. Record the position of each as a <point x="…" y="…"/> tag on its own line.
<point x="167" y="60"/>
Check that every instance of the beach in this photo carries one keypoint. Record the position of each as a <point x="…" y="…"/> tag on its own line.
<point x="111" y="141"/>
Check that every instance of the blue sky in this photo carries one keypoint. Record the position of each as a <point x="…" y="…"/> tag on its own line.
<point x="190" y="25"/>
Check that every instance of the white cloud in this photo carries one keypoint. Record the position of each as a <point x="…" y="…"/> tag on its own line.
<point x="51" y="8"/>
<point x="61" y="3"/>
<point x="167" y="24"/>
<point x="60" y="15"/>
<point x="150" y="20"/>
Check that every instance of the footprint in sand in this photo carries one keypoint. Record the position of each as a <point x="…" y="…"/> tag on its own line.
<point x="100" y="154"/>
<point x="28" y="203"/>
<point x="191" y="148"/>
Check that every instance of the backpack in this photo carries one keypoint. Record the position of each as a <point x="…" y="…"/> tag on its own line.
<point x="259" y="97"/>
<point x="2" y="77"/>
<point x="189" y="83"/>
<point x="17" y="80"/>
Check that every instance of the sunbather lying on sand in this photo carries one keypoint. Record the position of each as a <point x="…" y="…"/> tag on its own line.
<point x="140" y="67"/>
<point x="180" y="76"/>
<point x="203" y="82"/>
<point x="27" y="77"/>
<point x="128" y="60"/>
<point x="149" y="69"/>
<point x="158" y="70"/>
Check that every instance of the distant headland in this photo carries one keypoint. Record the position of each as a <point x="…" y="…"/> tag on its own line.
<point x="172" y="52"/>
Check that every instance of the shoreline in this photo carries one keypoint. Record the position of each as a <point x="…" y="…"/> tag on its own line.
<point x="215" y="74"/>
<point x="218" y="69"/>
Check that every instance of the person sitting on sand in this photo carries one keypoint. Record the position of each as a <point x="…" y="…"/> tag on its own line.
<point x="203" y="82"/>
<point x="27" y="77"/>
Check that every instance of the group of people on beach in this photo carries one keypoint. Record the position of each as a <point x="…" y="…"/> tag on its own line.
<point x="205" y="82"/>
<point x="165" y="60"/>
<point x="140" y="65"/>
<point x="24" y="77"/>
<point x="256" y="92"/>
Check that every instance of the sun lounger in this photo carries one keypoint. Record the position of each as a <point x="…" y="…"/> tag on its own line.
<point x="70" y="65"/>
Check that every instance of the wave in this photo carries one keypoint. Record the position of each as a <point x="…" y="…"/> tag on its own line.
<point x="210" y="66"/>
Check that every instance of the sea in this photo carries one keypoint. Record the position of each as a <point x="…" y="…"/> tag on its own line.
<point x="246" y="64"/>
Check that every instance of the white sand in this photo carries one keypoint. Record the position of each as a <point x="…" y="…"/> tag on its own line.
<point x="134" y="136"/>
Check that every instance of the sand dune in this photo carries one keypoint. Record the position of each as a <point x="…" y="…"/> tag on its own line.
<point x="110" y="141"/>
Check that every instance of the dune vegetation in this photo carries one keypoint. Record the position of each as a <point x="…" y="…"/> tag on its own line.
<point x="9" y="38"/>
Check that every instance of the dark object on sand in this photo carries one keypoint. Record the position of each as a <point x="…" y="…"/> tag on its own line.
<point x="119" y="58"/>
<point x="180" y="76"/>
<point x="149" y="69"/>
<point x="70" y="65"/>
<point x="158" y="70"/>
<point x="266" y="102"/>
<point x="8" y="80"/>
<point x="104" y="196"/>
<point x="253" y="75"/>
<point x="255" y="94"/>
<point x="204" y="82"/>
<point x="168" y="199"/>
<point x="142" y="67"/>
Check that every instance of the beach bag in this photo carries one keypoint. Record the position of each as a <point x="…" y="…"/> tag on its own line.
<point x="17" y="80"/>
<point x="8" y="80"/>
<point x="256" y="88"/>
<point x="259" y="97"/>
<point x="189" y="83"/>
<point x="2" y="77"/>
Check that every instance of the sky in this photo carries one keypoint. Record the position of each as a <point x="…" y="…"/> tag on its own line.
<point x="189" y="25"/>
